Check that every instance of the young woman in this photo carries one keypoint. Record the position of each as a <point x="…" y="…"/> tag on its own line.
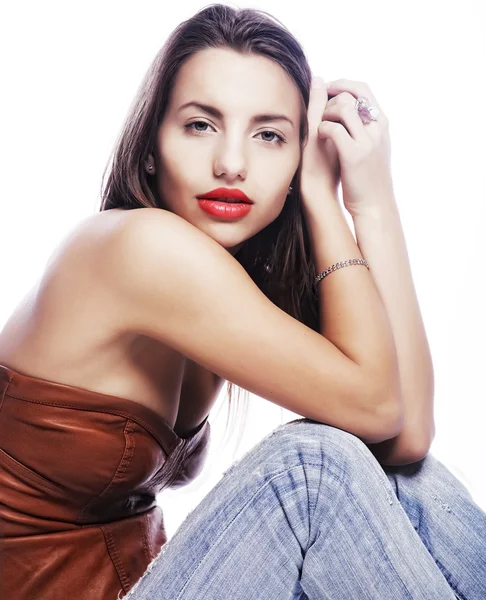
<point x="111" y="364"/>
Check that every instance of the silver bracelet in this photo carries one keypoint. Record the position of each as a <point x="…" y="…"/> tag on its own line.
<point x="339" y="265"/>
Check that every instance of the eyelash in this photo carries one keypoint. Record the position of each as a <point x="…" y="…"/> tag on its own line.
<point x="280" y="139"/>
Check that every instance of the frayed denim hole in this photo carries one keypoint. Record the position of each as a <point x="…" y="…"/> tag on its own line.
<point x="443" y="504"/>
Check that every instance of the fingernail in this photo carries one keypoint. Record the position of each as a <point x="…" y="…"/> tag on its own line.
<point x="318" y="82"/>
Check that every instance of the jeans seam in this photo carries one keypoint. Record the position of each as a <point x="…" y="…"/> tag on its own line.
<point x="238" y="514"/>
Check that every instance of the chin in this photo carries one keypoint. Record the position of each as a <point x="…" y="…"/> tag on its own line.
<point x="231" y="245"/>
<point x="227" y="234"/>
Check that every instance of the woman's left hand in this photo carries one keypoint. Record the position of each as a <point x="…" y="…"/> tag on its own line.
<point x="364" y="150"/>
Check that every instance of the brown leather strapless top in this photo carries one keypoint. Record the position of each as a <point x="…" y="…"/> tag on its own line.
<point x="79" y="475"/>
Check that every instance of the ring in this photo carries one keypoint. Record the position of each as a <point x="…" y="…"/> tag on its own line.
<point x="366" y="110"/>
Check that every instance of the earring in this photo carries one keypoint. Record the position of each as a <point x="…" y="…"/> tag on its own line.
<point x="290" y="189"/>
<point x="150" y="167"/>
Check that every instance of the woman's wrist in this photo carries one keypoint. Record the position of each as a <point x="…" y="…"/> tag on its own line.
<point x="315" y="198"/>
<point x="331" y="237"/>
<point x="316" y="204"/>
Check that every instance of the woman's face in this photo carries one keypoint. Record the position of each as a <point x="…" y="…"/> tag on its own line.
<point x="200" y="149"/>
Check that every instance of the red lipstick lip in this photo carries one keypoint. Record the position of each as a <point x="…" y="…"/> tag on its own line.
<point x="227" y="193"/>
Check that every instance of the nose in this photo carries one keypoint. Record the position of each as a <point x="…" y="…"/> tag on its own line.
<point x="230" y="159"/>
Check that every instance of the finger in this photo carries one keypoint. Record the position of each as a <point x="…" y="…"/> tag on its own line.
<point x="317" y="104"/>
<point x="338" y="135"/>
<point x="342" y="109"/>
<point x="356" y="88"/>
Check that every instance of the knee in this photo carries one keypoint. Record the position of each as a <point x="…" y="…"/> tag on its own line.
<point x="345" y="456"/>
<point x="306" y="434"/>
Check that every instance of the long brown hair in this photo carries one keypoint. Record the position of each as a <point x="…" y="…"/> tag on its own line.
<point x="278" y="258"/>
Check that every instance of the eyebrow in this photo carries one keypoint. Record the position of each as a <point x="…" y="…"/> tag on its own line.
<point x="219" y="115"/>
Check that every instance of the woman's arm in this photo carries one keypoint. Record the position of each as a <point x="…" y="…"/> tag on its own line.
<point x="170" y="281"/>
<point x="352" y="313"/>
<point x="353" y="316"/>
<point x="381" y="240"/>
<point x="364" y="152"/>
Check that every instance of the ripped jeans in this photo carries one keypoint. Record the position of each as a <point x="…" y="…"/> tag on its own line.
<point x="309" y="513"/>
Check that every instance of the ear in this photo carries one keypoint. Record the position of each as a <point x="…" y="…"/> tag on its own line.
<point x="150" y="165"/>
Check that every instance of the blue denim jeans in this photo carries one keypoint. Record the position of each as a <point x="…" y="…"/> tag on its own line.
<point x="309" y="513"/>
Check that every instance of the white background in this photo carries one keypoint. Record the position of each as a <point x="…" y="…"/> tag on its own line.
<point x="70" y="72"/>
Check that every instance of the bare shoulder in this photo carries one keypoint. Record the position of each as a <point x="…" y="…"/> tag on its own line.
<point x="155" y="228"/>
<point x="155" y="253"/>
